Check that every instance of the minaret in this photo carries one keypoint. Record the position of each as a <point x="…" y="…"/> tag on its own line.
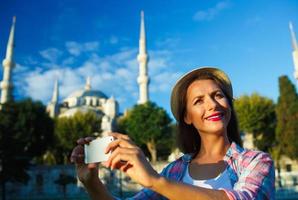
<point x="8" y="65"/>
<point x="55" y="92"/>
<point x="88" y="83"/>
<point x="295" y="51"/>
<point x="143" y="79"/>
<point x="53" y="106"/>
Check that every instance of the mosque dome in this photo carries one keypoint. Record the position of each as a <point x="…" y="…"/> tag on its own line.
<point x="85" y="96"/>
<point x="87" y="93"/>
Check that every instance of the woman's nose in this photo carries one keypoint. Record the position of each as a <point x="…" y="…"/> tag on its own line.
<point x="211" y="103"/>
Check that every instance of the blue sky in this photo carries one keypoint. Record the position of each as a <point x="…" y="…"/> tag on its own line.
<point x="70" y="40"/>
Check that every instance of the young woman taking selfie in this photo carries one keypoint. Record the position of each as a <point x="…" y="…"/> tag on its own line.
<point x="214" y="165"/>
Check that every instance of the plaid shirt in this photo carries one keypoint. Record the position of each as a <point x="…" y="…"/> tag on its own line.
<point x="251" y="173"/>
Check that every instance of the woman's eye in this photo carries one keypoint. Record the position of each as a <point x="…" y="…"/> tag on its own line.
<point x="198" y="101"/>
<point x="219" y="95"/>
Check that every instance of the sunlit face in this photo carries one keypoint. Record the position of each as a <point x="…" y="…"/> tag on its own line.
<point x="207" y="108"/>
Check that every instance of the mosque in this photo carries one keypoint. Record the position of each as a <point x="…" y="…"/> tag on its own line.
<point x="82" y="100"/>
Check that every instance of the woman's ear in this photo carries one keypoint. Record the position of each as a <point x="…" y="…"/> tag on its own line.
<point x="187" y="119"/>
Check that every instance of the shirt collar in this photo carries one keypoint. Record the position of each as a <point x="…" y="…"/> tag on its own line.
<point x="233" y="151"/>
<point x="187" y="157"/>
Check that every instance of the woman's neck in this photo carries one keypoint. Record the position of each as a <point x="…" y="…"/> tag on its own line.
<point x="213" y="148"/>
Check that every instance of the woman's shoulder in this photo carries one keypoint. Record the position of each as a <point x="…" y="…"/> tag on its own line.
<point x="179" y="161"/>
<point x="239" y="153"/>
<point x="176" y="168"/>
<point x="251" y="160"/>
<point x="240" y="159"/>
<point x="249" y="155"/>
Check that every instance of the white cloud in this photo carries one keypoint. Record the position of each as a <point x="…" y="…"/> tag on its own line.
<point x="75" y="48"/>
<point x="38" y="85"/>
<point x="111" y="74"/>
<point x="209" y="14"/>
<point x="20" y="68"/>
<point x="89" y="68"/>
<point x="123" y="56"/>
<point x="90" y="46"/>
<point x="70" y="81"/>
<point x="51" y="54"/>
<point x="168" y="43"/>
<point x="114" y="74"/>
<point x="164" y="81"/>
<point x="159" y="61"/>
<point x="68" y="61"/>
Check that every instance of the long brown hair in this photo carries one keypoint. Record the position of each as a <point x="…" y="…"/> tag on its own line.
<point x="188" y="139"/>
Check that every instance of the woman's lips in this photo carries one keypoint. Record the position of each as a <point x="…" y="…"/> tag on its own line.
<point x="215" y="117"/>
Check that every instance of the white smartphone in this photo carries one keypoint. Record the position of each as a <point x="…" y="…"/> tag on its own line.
<point x="95" y="150"/>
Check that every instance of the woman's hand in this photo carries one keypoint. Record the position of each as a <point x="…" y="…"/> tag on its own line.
<point x="87" y="173"/>
<point x="130" y="159"/>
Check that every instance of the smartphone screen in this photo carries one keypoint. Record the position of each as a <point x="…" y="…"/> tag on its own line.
<point x="95" y="150"/>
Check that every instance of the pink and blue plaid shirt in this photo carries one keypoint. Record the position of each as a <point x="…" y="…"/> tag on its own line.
<point x="251" y="173"/>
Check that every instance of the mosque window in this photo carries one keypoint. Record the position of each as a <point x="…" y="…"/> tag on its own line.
<point x="288" y="167"/>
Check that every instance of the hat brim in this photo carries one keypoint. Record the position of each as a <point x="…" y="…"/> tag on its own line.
<point x="215" y="72"/>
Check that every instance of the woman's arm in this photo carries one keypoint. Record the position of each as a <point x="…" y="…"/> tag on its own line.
<point x="97" y="191"/>
<point x="177" y="190"/>
<point x="130" y="159"/>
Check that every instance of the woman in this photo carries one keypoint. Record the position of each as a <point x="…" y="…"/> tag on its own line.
<point x="214" y="165"/>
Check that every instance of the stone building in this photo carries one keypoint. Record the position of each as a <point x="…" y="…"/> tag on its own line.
<point x="85" y="100"/>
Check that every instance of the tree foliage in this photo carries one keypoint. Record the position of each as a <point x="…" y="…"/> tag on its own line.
<point x="26" y="131"/>
<point x="256" y="115"/>
<point x="147" y="124"/>
<point x="287" y="118"/>
<point x="69" y="129"/>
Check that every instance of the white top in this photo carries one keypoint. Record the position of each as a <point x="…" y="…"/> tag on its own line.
<point x="222" y="181"/>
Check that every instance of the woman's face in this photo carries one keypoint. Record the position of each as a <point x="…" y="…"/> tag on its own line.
<point x="207" y="108"/>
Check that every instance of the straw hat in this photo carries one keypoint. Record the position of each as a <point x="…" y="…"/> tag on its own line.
<point x="196" y="73"/>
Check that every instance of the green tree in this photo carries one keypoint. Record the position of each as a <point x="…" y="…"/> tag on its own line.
<point x="256" y="115"/>
<point x="26" y="131"/>
<point x="69" y="129"/>
<point x="149" y="125"/>
<point x="287" y="118"/>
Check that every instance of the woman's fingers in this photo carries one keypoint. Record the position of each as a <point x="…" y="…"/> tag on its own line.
<point x="125" y="167"/>
<point x="121" y="159"/>
<point x="77" y="154"/>
<point x="120" y="156"/>
<point x="121" y="142"/>
<point x="119" y="135"/>
<point x="85" y="140"/>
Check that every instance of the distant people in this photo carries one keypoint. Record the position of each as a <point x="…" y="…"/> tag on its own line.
<point x="214" y="165"/>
